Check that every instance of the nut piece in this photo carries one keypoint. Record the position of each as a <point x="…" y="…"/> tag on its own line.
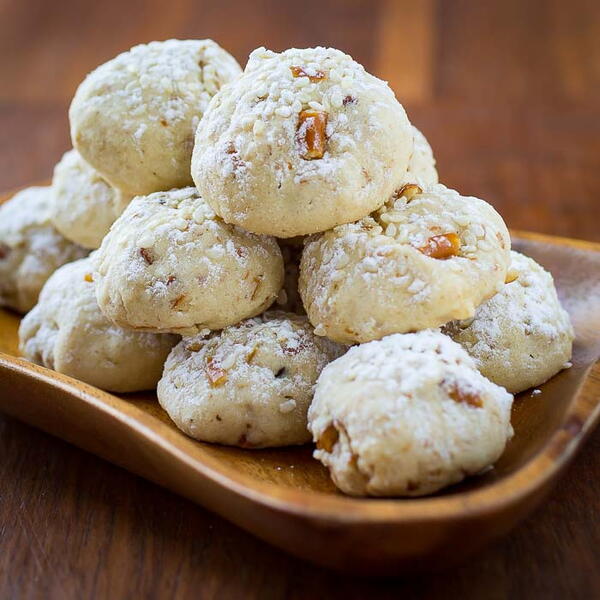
<point x="441" y="246"/>
<point x="409" y="191"/>
<point x="311" y="133"/>
<point x="465" y="396"/>
<point x="216" y="375"/>
<point x="300" y="72"/>
<point x="329" y="439"/>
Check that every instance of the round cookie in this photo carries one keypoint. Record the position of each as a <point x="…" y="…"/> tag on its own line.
<point x="31" y="249"/>
<point x="303" y="141"/>
<point x="249" y="385"/>
<point x="522" y="336"/>
<point x="406" y="416"/>
<point x="169" y="264"/>
<point x="134" y="118"/>
<point x="425" y="258"/>
<point x="421" y="166"/>
<point x="67" y="332"/>
<point x="84" y="205"/>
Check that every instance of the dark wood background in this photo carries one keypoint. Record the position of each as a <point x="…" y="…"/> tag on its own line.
<point x="508" y="93"/>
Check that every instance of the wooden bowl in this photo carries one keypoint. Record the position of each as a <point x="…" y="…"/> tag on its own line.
<point x="285" y="497"/>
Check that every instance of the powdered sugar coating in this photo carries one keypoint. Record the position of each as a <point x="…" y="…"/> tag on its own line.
<point x="31" y="249"/>
<point x="134" y="118"/>
<point x="249" y="157"/>
<point x="368" y="279"/>
<point x="406" y="416"/>
<point x="84" y="205"/>
<point x="522" y="336"/>
<point x="67" y="332"/>
<point x="249" y="385"/>
<point x="169" y="264"/>
<point x="421" y="166"/>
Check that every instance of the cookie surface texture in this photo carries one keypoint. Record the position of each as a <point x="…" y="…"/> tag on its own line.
<point x="424" y="257"/>
<point x="249" y="385"/>
<point x="67" y="332"/>
<point x="170" y="265"/>
<point x="134" y="118"/>
<point x="303" y="141"/>
<point x="406" y="416"/>
<point x="31" y="248"/>
<point x="84" y="205"/>
<point x="522" y="336"/>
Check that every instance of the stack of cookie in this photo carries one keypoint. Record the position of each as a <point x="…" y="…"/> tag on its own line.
<point x="209" y="195"/>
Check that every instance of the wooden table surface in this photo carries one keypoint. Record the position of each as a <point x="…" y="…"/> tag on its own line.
<point x="508" y="93"/>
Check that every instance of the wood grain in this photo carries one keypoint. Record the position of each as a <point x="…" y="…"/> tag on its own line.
<point x="511" y="106"/>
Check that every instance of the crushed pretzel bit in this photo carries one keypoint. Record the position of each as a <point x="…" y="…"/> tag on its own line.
<point x="441" y="246"/>
<point x="301" y="72"/>
<point x="328" y="439"/>
<point x="464" y="396"/>
<point x="311" y="133"/>
<point x="147" y="255"/>
<point x="408" y="191"/>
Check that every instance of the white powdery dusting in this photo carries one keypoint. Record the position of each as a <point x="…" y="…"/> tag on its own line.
<point x="530" y="301"/>
<point x="412" y="414"/>
<point x="181" y="258"/>
<point x="68" y="304"/>
<point x="382" y="259"/>
<point x="256" y="377"/>
<point x="252" y="133"/>
<point x="385" y="359"/>
<point x="522" y="335"/>
<point x="33" y="248"/>
<point x="172" y="80"/>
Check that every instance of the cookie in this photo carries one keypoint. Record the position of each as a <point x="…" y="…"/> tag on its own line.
<point x="134" y="118"/>
<point x="406" y="416"/>
<point x="67" y="332"/>
<point x="249" y="385"/>
<point x="522" y="336"/>
<point x="303" y="141"/>
<point x="31" y="249"/>
<point x="169" y="264"/>
<point x="421" y="166"/>
<point x="84" y="205"/>
<point x="425" y="258"/>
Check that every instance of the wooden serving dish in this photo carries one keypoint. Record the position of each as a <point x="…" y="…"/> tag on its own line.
<point x="287" y="498"/>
